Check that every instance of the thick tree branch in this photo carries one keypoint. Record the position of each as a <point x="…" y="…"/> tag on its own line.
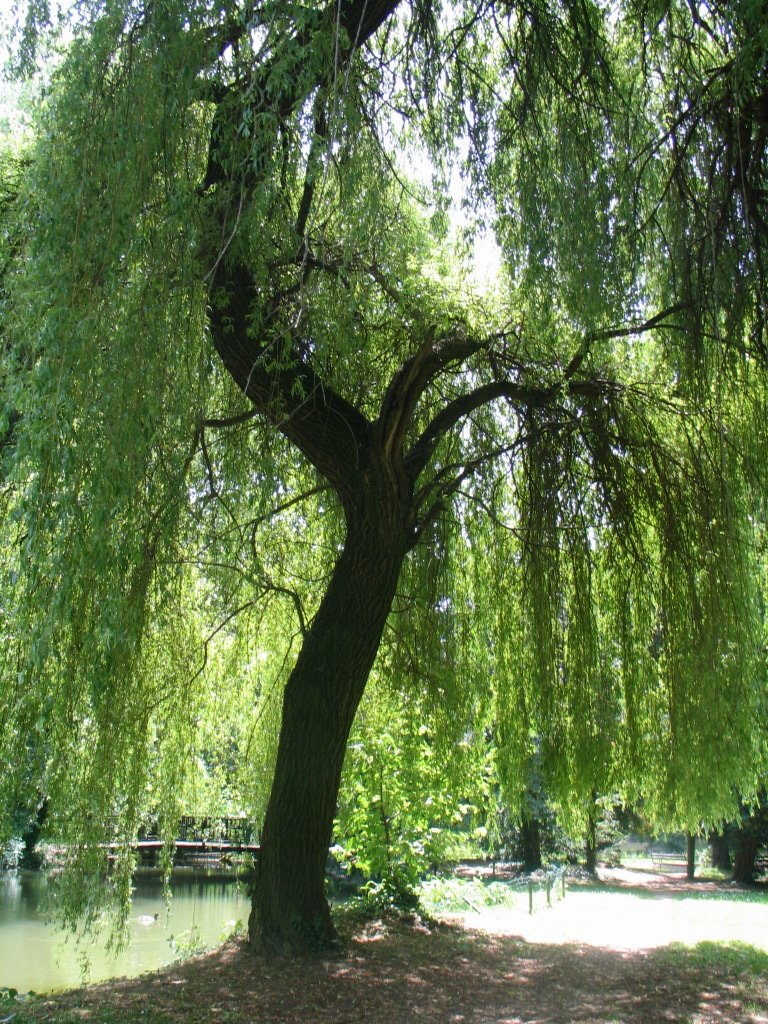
<point x="659" y="320"/>
<point x="409" y="383"/>
<point x="282" y="385"/>
<point x="353" y="22"/>
<point x="521" y="395"/>
<point x="319" y="139"/>
<point x="329" y="431"/>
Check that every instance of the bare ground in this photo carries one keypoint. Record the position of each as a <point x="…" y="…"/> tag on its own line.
<point x="451" y="973"/>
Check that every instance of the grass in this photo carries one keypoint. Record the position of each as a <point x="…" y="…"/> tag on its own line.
<point x="440" y="895"/>
<point x="736" y="958"/>
<point x="456" y="895"/>
<point x="731" y="895"/>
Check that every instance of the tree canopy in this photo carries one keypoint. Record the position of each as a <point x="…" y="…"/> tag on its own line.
<point x="264" y="440"/>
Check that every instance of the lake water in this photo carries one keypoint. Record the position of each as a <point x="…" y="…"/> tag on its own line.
<point x="36" y="957"/>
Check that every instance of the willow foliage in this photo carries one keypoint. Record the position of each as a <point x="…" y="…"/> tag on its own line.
<point x="585" y="450"/>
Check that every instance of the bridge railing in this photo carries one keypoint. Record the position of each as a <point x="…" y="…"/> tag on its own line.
<point x="235" y="831"/>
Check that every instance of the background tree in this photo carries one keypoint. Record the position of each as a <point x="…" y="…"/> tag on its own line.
<point x="720" y="853"/>
<point x="738" y="842"/>
<point x="690" y="855"/>
<point x="265" y="432"/>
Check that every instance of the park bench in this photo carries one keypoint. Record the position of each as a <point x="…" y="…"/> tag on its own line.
<point x="662" y="857"/>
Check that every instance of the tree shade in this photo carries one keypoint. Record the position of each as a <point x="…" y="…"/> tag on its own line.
<point x="263" y="441"/>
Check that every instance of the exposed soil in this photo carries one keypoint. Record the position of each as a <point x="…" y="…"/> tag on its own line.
<point x="401" y="973"/>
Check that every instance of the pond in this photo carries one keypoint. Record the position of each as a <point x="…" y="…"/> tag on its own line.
<point x="36" y="957"/>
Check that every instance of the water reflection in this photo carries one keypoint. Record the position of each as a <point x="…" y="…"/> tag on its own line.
<point x="36" y="957"/>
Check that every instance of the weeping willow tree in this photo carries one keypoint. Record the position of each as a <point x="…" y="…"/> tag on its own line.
<point x="260" y="429"/>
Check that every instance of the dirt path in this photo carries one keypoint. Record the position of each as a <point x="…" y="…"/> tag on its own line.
<point x="450" y="974"/>
<point x="638" y="911"/>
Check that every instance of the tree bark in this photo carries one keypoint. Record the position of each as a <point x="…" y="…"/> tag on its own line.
<point x="744" y="859"/>
<point x="721" y="855"/>
<point x="690" y="858"/>
<point x="290" y="913"/>
<point x="590" y="847"/>
<point x="530" y="843"/>
<point x="30" y="857"/>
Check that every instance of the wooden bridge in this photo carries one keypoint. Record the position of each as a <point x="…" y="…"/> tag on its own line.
<point x="201" y="836"/>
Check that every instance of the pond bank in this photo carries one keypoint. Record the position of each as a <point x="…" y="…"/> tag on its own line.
<point x="203" y="909"/>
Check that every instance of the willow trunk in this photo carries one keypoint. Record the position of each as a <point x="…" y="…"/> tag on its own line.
<point x="290" y="913"/>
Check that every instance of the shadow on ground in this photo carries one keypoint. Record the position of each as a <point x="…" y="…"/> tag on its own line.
<point x="393" y="974"/>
